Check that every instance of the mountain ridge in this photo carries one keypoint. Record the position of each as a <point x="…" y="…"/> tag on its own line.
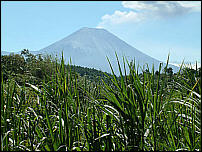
<point x="90" y="46"/>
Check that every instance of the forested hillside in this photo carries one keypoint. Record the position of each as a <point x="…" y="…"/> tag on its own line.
<point x="34" y="68"/>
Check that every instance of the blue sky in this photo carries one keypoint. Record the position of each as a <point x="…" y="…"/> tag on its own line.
<point x="155" y="28"/>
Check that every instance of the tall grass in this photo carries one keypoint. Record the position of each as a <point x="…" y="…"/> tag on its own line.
<point x="132" y="112"/>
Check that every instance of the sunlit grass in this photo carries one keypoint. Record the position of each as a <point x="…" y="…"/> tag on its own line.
<point x="132" y="112"/>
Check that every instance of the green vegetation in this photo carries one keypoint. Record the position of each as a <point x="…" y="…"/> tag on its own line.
<point x="46" y="105"/>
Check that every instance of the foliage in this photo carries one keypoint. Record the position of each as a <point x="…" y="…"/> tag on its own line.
<point x="70" y="111"/>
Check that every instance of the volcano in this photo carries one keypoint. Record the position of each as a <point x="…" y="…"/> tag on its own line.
<point x="90" y="47"/>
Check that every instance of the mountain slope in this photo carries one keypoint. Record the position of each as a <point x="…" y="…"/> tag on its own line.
<point x="89" y="47"/>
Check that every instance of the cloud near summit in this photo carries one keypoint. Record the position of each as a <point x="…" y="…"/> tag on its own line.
<point x="144" y="10"/>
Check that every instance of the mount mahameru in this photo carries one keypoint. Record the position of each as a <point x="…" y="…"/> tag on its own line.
<point x="89" y="47"/>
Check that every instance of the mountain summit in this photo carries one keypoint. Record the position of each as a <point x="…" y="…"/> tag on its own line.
<point x="89" y="47"/>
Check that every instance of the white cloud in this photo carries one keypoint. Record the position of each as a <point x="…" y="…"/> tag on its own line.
<point x="194" y="5"/>
<point x="120" y="17"/>
<point x="142" y="10"/>
<point x="188" y="65"/>
<point x="140" y="5"/>
<point x="165" y="7"/>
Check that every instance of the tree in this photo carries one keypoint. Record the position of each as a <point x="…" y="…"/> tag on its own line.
<point x="157" y="73"/>
<point x="147" y="71"/>
<point x="170" y="71"/>
<point x="12" y="64"/>
<point x="199" y="72"/>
